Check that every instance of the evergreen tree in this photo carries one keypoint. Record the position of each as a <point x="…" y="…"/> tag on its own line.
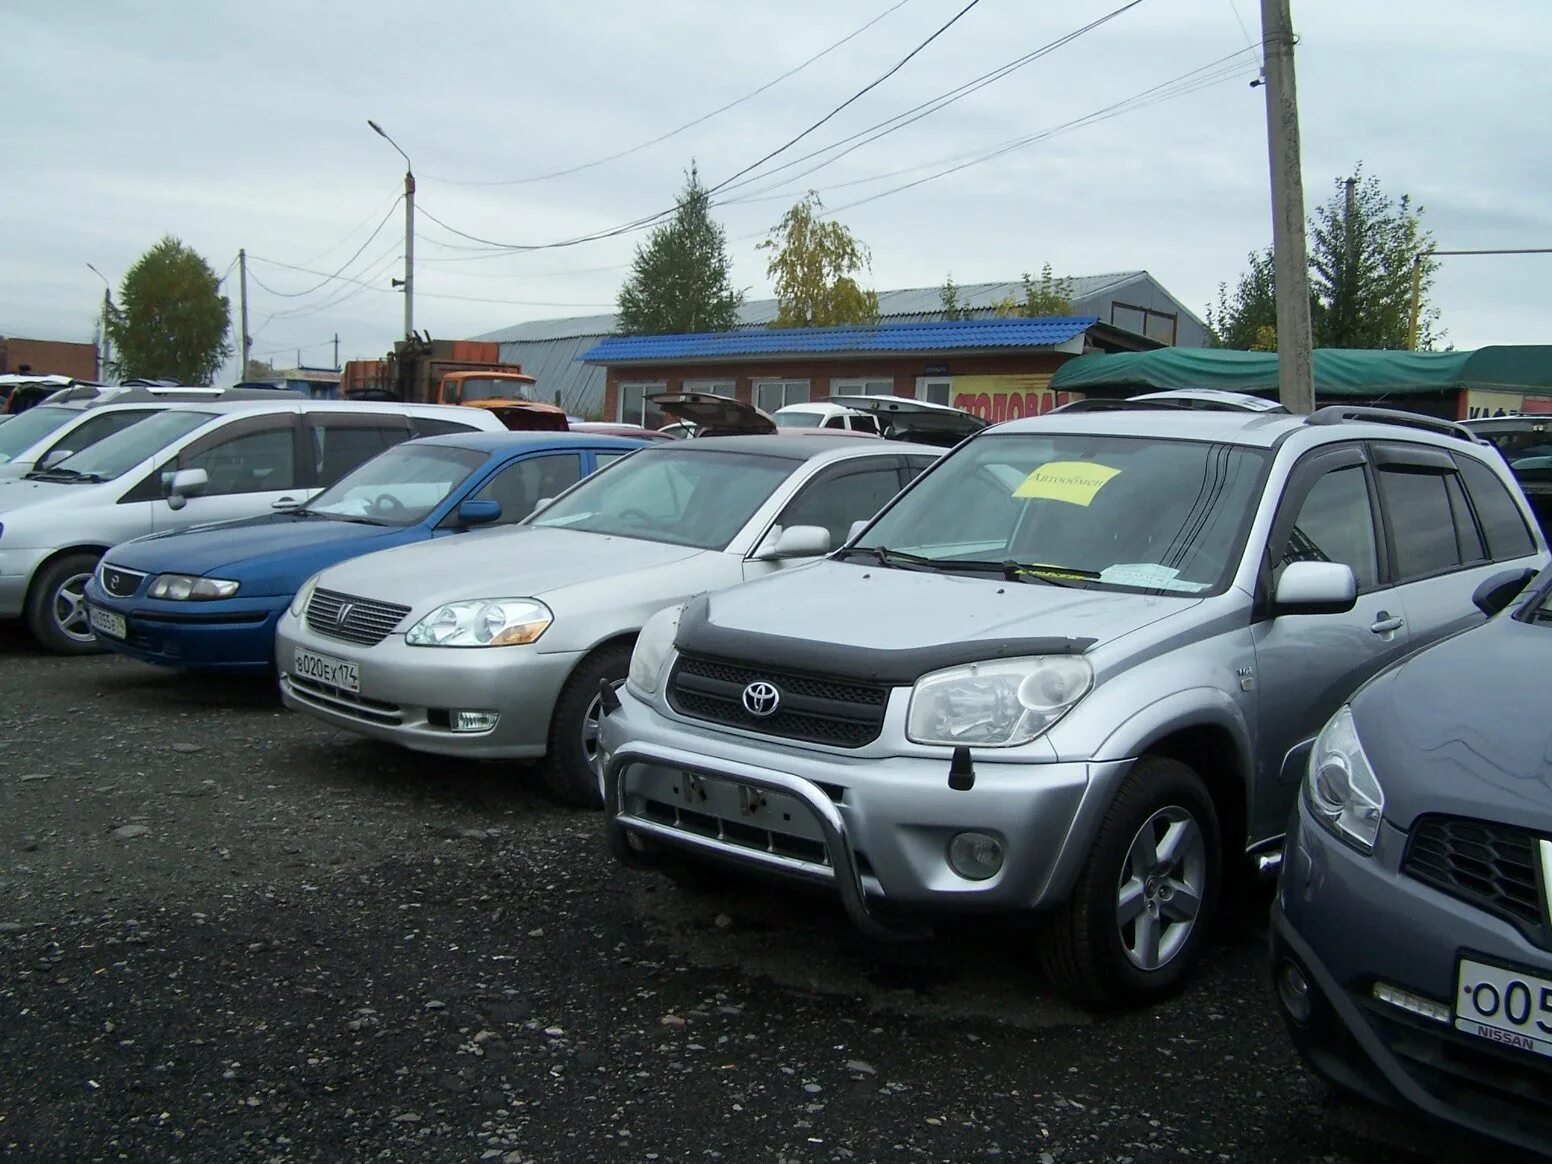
<point x="680" y="280"/>
<point x="171" y="320"/>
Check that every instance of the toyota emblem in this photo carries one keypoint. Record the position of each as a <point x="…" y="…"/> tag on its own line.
<point x="345" y="611"/>
<point x="761" y="699"/>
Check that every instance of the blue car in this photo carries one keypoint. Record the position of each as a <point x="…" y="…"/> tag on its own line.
<point x="209" y="598"/>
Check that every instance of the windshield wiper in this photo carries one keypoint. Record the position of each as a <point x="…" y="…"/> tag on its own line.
<point x="1010" y="571"/>
<point x="896" y="559"/>
<point x="66" y="475"/>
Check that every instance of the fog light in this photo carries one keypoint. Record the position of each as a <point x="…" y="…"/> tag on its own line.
<point x="474" y="721"/>
<point x="975" y="856"/>
<point x="1294" y="991"/>
<point x="1412" y="1003"/>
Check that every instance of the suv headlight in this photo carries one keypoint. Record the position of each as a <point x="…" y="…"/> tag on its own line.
<point x="1341" y="789"/>
<point x="482" y="622"/>
<point x="190" y="588"/>
<point x="1000" y="703"/>
<point x="654" y="646"/>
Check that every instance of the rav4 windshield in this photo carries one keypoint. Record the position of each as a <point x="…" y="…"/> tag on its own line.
<point x="400" y="486"/>
<point x="680" y="496"/>
<point x="118" y="454"/>
<point x="23" y="431"/>
<point x="1104" y="511"/>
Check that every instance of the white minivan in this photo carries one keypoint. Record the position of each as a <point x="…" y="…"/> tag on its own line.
<point x="189" y="464"/>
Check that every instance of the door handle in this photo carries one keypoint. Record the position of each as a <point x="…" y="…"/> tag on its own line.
<point x="284" y="503"/>
<point x="1384" y="623"/>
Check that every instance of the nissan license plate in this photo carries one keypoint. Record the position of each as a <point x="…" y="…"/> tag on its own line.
<point x="107" y="622"/>
<point x="327" y="670"/>
<point x="1506" y="1007"/>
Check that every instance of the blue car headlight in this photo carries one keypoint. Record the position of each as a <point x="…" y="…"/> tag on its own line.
<point x="190" y="588"/>
<point x="1341" y="789"/>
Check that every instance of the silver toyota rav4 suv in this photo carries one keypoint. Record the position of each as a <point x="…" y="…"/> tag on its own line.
<point x="1075" y="668"/>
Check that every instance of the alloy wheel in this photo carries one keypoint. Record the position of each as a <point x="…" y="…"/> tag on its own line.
<point x="69" y="608"/>
<point x="1160" y="890"/>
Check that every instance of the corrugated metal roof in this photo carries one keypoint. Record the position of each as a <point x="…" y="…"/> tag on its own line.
<point x="937" y="336"/>
<point x="555" y="364"/>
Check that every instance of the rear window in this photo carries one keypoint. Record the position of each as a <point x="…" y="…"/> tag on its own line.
<point x="1502" y="523"/>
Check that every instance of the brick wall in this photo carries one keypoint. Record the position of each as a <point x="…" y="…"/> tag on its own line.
<point x="819" y="373"/>
<point x="49" y="357"/>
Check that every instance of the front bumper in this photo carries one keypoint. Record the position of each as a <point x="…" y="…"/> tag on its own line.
<point x="1349" y="921"/>
<point x="407" y="693"/>
<point x="875" y="829"/>
<point x="233" y="636"/>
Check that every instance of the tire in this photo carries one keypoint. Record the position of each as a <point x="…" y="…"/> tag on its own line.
<point x="569" y="768"/>
<point x="1087" y="951"/>
<point x="56" y="606"/>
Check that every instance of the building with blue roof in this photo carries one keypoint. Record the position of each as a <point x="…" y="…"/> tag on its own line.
<point x="997" y="368"/>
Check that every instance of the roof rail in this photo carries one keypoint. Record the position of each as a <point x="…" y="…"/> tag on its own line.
<point x="1343" y="413"/>
<point x="1101" y="404"/>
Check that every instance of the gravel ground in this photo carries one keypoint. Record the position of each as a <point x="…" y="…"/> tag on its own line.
<point x="230" y="933"/>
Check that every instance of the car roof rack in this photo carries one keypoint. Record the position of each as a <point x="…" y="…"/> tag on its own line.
<point x="1345" y="413"/>
<point x="1177" y="399"/>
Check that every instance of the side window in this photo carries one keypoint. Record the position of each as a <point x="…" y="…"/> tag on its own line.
<point x="868" y="423"/>
<point x="255" y="462"/>
<point x="520" y="486"/>
<point x="339" y="448"/>
<point x="836" y="422"/>
<point x="1336" y="524"/>
<point x="914" y="468"/>
<point x="836" y="502"/>
<point x="1499" y="516"/>
<point x="1422" y="522"/>
<point x="604" y="460"/>
<point x="427" y="426"/>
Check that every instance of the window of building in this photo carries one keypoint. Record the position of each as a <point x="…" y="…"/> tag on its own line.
<point x="935" y="389"/>
<point x="1156" y="325"/>
<point x="634" y="408"/>
<point x="863" y="386"/>
<point x="769" y="395"/>
<point x="726" y="388"/>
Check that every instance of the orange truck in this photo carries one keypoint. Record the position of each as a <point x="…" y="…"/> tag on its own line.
<point x="464" y="372"/>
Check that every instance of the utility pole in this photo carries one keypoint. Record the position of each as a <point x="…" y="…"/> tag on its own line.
<point x="246" y="340"/>
<point x="336" y="352"/>
<point x="1295" y="344"/>
<point x="408" y="282"/>
<point x="105" y="354"/>
<point x="1349" y="309"/>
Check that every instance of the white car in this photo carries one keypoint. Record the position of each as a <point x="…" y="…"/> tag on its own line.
<point x="822" y="414"/>
<point x="188" y="464"/>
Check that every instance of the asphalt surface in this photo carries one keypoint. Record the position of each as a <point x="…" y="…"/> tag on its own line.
<point x="230" y="933"/>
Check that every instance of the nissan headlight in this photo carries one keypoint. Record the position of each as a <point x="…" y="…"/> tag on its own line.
<point x="303" y="597"/>
<point x="654" y="647"/>
<point x="482" y="622"/>
<point x="190" y="588"/>
<point x="1341" y="789"/>
<point x="1000" y="703"/>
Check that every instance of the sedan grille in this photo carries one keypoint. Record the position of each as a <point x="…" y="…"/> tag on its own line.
<point x="1491" y="866"/>
<point x="355" y="620"/>
<point x="813" y="708"/>
<point x="119" y="582"/>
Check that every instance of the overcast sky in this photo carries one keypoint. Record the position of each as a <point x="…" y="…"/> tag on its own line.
<point x="244" y="125"/>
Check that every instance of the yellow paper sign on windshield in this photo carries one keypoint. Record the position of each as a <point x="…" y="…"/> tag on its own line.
<point x="1075" y="482"/>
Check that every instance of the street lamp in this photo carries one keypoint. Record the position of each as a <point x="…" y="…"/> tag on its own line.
<point x="105" y="353"/>
<point x="409" y="231"/>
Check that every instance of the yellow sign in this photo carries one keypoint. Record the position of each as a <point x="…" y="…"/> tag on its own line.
<point x="998" y="398"/>
<point x="1075" y="482"/>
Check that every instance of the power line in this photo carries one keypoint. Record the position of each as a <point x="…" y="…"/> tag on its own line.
<point x="348" y="234"/>
<point x="625" y="153"/>
<point x="336" y="274"/>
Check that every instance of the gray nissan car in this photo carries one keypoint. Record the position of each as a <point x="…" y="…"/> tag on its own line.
<point x="1412" y="934"/>
<point x="1076" y="668"/>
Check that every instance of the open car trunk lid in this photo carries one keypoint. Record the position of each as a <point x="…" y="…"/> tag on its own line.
<point x="905" y="419"/>
<point x="714" y="415"/>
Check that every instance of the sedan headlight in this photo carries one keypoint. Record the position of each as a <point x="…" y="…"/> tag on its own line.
<point x="997" y="704"/>
<point x="653" y="647"/>
<point x="303" y="597"/>
<point x="190" y="588"/>
<point x="482" y="622"/>
<point x="1341" y="789"/>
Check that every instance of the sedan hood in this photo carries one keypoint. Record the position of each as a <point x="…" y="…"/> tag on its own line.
<point x="278" y="548"/>
<point x="520" y="561"/>
<point x="19" y="493"/>
<point x="1462" y="728"/>
<point x="850" y="604"/>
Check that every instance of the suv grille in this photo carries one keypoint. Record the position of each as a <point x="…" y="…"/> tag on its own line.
<point x="813" y="708"/>
<point x="1490" y="866"/>
<point x="119" y="582"/>
<point x="356" y="620"/>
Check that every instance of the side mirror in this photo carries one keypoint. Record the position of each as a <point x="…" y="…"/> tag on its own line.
<point x="796" y="541"/>
<point x="856" y="530"/>
<point x="53" y="457"/>
<point x="186" y="483"/>
<point x="479" y="511"/>
<point x="542" y="503"/>
<point x="1316" y="588"/>
<point x="1496" y="593"/>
